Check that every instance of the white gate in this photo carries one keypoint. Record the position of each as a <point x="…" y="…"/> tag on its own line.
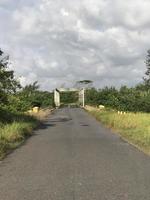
<point x="57" y="93"/>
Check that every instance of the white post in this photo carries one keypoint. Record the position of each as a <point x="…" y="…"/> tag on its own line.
<point x="57" y="98"/>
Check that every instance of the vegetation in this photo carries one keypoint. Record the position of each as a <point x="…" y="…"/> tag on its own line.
<point x="8" y="84"/>
<point x="29" y="97"/>
<point x="15" y="100"/>
<point x="124" y="99"/>
<point x="134" y="124"/>
<point x="14" y="128"/>
<point x="134" y="127"/>
<point x="69" y="97"/>
<point x="134" y="99"/>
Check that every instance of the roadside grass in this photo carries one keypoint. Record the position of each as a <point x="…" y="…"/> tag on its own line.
<point x="42" y="114"/>
<point x="15" y="128"/>
<point x="133" y="127"/>
<point x="14" y="133"/>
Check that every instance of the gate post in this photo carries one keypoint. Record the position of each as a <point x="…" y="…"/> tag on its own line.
<point x="57" y="97"/>
<point x="82" y="97"/>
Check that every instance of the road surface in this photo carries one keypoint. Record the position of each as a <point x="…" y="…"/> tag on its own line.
<point x="72" y="157"/>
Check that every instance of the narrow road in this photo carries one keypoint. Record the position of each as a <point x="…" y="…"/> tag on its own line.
<point x="72" y="157"/>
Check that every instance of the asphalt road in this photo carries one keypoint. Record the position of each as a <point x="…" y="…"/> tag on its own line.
<point x="72" y="157"/>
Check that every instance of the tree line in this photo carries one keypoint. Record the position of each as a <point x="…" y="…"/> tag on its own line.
<point x="15" y="98"/>
<point x="134" y="99"/>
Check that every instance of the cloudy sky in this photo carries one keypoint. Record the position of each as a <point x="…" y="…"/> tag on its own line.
<point x="58" y="42"/>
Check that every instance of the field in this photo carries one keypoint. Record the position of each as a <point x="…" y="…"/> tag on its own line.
<point x="134" y="127"/>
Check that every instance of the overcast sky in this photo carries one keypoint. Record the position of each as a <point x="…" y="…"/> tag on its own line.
<point x="58" y="42"/>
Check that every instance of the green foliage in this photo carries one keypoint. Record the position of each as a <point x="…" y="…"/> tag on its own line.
<point x="8" y="83"/>
<point x="126" y="99"/>
<point x="17" y="99"/>
<point x="31" y="96"/>
<point x="14" y="128"/>
<point x="14" y="100"/>
<point x="69" y="97"/>
<point x="135" y="99"/>
<point x="8" y="117"/>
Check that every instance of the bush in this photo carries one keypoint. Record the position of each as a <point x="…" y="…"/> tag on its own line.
<point x="125" y="99"/>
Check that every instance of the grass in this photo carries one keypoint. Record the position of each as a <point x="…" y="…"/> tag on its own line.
<point x="134" y="127"/>
<point x="15" y="128"/>
<point x="14" y="133"/>
<point x="42" y="114"/>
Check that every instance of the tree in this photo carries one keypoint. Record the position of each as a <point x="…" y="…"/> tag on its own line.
<point x="8" y="83"/>
<point x="31" y="96"/>
<point x="27" y="97"/>
<point x="92" y="97"/>
<point x="84" y="84"/>
<point x="30" y="89"/>
<point x="147" y="78"/>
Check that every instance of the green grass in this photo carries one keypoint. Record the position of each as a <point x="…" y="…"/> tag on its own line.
<point x="134" y="127"/>
<point x="14" y="132"/>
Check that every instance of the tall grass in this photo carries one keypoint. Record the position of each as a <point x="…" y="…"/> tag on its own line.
<point x="14" y="130"/>
<point x="135" y="127"/>
<point x="16" y="127"/>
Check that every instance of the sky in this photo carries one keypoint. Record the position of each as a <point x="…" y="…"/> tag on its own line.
<point x="59" y="42"/>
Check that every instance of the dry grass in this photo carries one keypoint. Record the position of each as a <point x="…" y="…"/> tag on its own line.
<point x="134" y="127"/>
<point x="42" y="114"/>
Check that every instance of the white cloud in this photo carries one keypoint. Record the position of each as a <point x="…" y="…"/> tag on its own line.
<point x="64" y="12"/>
<point x="58" y="42"/>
